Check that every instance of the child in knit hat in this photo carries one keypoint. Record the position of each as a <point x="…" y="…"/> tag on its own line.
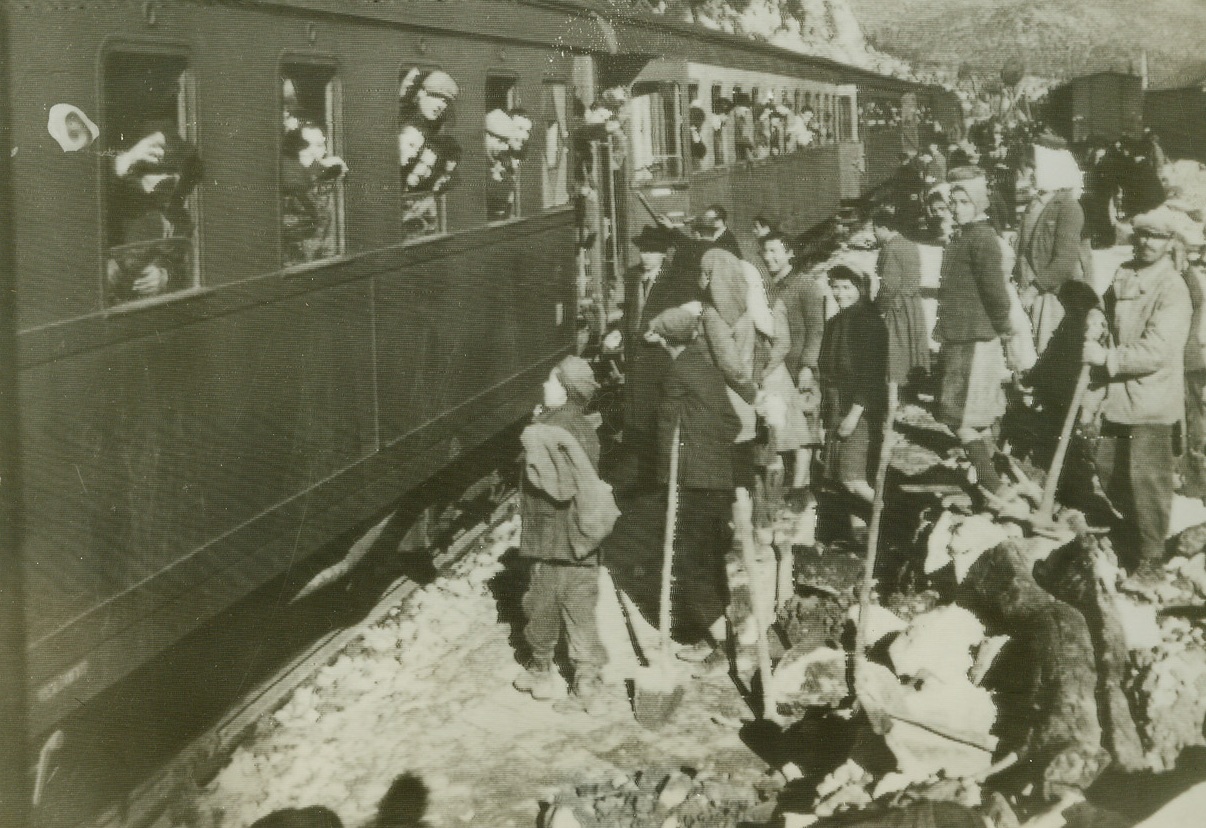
<point x="566" y="511"/>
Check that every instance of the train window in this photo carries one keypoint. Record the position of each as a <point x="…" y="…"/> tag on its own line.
<point x="427" y="157"/>
<point x="150" y="215"/>
<point x="656" y="127"/>
<point x="845" y="119"/>
<point x="508" y="129"/>
<point x="721" y="107"/>
<point x="555" y="170"/>
<point x="311" y="171"/>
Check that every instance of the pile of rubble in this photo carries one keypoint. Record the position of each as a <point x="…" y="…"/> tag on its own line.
<point x="681" y="798"/>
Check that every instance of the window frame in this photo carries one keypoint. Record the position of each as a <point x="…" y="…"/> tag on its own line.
<point x="146" y="47"/>
<point x="679" y="130"/>
<point x="517" y="100"/>
<point x="337" y="147"/>
<point x="567" y="152"/>
<point x="442" y="198"/>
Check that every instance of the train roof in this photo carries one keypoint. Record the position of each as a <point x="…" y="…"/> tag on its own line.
<point x="597" y="26"/>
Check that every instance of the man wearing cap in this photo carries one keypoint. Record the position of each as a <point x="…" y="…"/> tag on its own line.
<point x="436" y="94"/>
<point x="500" y="187"/>
<point x="1142" y="368"/>
<point x="650" y="288"/>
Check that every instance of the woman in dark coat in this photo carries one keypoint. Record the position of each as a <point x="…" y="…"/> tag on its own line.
<point x="899" y="299"/>
<point x="853" y="366"/>
<point x="973" y="324"/>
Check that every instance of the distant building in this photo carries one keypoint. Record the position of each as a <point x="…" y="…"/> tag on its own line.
<point x="1105" y="105"/>
<point x="1178" y="116"/>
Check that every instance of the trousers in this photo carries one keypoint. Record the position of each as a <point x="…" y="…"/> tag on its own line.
<point x="564" y="595"/>
<point x="1137" y="468"/>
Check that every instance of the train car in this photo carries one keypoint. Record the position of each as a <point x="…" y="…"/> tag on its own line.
<point x="224" y="364"/>
<point x="248" y="322"/>
<point x="1104" y="105"/>
<point x="1178" y="117"/>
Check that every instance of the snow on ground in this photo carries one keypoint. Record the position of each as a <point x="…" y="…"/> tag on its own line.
<point x="428" y="691"/>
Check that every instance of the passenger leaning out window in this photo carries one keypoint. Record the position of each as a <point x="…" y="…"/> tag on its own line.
<point x="500" y="187"/>
<point x="307" y="175"/>
<point x="155" y="231"/>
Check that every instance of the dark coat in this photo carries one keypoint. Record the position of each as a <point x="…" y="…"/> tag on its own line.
<point x="646" y="363"/>
<point x="973" y="301"/>
<point x="853" y="363"/>
<point x="1051" y="254"/>
<point x="694" y="395"/>
<point x="546" y="522"/>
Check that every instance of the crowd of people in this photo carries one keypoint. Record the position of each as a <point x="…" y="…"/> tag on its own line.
<point x="774" y="375"/>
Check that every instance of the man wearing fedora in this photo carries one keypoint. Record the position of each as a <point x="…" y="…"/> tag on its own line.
<point x="649" y="288"/>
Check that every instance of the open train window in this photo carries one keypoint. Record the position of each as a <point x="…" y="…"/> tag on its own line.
<point x="311" y="171"/>
<point x="153" y="169"/>
<point x="656" y="126"/>
<point x="507" y="132"/>
<point x="427" y="157"/>
<point x="719" y="123"/>
<point x="554" y="107"/>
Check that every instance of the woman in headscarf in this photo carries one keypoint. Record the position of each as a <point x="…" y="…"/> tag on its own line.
<point x="1050" y="250"/>
<point x="973" y="326"/>
<point x="899" y="299"/>
<point x="853" y="365"/>
<point x="731" y="338"/>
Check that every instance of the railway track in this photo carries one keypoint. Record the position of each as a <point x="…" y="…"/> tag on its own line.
<point x="150" y="805"/>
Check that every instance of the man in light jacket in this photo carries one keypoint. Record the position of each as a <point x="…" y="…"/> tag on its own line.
<point x="1148" y="310"/>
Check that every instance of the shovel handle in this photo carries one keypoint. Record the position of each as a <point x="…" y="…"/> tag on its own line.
<point x="1047" y="506"/>
<point x="877" y="511"/>
<point x="668" y="547"/>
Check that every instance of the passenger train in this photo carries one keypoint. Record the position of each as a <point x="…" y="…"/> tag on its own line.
<point x="285" y="354"/>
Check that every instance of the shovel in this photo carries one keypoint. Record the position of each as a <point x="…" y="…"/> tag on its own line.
<point x="657" y="691"/>
<point x="743" y="514"/>
<point x="1043" y="522"/>
<point x="877" y="512"/>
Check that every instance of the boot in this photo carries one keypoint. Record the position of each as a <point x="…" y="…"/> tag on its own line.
<point x="538" y="680"/>
<point x="588" y="695"/>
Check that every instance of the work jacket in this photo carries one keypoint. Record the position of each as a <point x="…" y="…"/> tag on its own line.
<point x="1149" y="311"/>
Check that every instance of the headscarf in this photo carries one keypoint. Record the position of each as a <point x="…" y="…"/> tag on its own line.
<point x="971" y="180"/>
<point x="1056" y="169"/>
<point x="727" y="286"/>
<point x="578" y="378"/>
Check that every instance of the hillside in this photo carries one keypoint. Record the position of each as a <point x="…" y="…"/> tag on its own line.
<point x="1056" y="38"/>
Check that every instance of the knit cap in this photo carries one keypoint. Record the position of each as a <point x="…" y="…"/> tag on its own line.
<point x="578" y="378"/>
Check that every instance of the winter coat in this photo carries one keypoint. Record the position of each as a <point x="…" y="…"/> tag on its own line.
<point x="803" y="299"/>
<point x="1195" y="344"/>
<point x="564" y="508"/>
<point x="899" y="302"/>
<point x="1051" y="253"/>
<point x="646" y="363"/>
<point x="1149" y="313"/>
<point x="973" y="302"/>
<point x="853" y="363"/>
<point x="730" y="333"/>
<point x="695" y="396"/>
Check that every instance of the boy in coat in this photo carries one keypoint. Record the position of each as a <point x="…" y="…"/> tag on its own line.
<point x="562" y="458"/>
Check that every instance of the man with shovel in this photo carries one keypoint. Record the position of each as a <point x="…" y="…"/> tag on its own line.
<point x="1142" y="369"/>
